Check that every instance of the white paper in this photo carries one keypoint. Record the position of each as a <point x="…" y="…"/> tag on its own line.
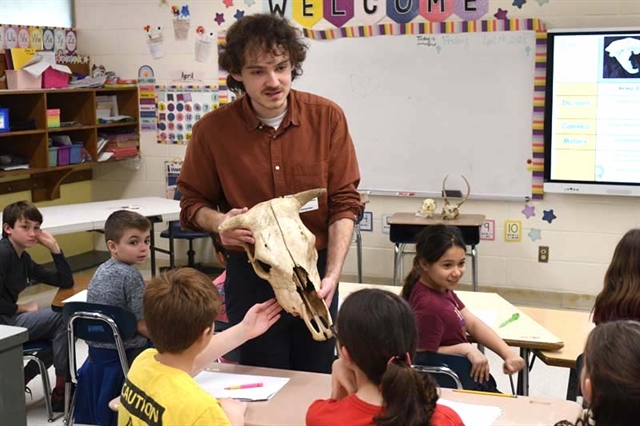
<point x="41" y="61"/>
<point x="215" y="383"/>
<point x="78" y="297"/>
<point x="488" y="317"/>
<point x="473" y="414"/>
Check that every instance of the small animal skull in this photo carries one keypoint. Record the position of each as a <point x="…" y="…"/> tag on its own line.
<point x="428" y="208"/>
<point x="284" y="254"/>
<point x="452" y="211"/>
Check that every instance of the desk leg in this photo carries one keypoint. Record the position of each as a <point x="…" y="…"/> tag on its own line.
<point x="523" y="375"/>
<point x="172" y="256"/>
<point x="572" y="385"/>
<point x="359" y="251"/>
<point x="396" y="262"/>
<point x="152" y="237"/>
<point x="474" y="267"/>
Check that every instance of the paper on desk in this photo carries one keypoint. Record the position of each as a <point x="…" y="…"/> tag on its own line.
<point x="488" y="317"/>
<point x="215" y="383"/>
<point x="473" y="414"/>
<point x="81" y="296"/>
<point x="41" y="61"/>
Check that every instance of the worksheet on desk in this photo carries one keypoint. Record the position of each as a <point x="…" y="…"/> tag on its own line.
<point x="215" y="384"/>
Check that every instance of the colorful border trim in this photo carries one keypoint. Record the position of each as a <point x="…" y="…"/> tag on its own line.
<point x="448" y="27"/>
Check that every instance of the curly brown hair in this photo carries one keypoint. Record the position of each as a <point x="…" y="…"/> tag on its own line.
<point x="256" y="34"/>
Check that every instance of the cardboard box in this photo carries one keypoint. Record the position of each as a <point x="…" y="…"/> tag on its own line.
<point x="53" y="118"/>
<point x="54" y="79"/>
<point x="22" y="80"/>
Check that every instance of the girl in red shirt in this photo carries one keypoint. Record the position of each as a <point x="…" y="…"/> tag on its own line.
<point x="443" y="320"/>
<point x="372" y="381"/>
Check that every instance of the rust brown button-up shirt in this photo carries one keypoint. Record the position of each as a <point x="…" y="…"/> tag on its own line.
<point x="234" y="161"/>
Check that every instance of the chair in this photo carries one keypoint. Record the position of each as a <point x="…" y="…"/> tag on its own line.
<point x="29" y="351"/>
<point x="446" y="371"/>
<point x="173" y="232"/>
<point x="94" y="322"/>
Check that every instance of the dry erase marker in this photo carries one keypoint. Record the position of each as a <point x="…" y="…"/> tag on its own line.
<point x="504" y="395"/>
<point x="247" y="386"/>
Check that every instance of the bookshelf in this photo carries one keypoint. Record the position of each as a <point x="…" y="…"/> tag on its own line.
<point x="77" y="105"/>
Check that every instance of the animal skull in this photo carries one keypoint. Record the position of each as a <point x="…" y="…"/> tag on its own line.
<point x="428" y="208"/>
<point x="452" y="211"/>
<point x="284" y="254"/>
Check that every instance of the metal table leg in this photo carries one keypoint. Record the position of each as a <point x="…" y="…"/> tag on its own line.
<point x="523" y="375"/>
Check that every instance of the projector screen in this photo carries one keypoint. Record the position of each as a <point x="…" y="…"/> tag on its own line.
<point x="592" y="112"/>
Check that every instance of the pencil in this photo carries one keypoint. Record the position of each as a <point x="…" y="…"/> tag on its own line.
<point x="504" y="395"/>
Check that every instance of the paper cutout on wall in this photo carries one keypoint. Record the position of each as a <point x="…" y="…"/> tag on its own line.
<point x="512" y="231"/>
<point x="228" y="3"/>
<point x="36" y="38"/>
<point x="10" y="37"/>
<point x="535" y="235"/>
<point x="471" y="10"/>
<point x="155" y="41"/>
<point x="179" y="108"/>
<point x="529" y="211"/>
<point x="338" y="12"/>
<point x="71" y="42"/>
<point x="24" y="38"/>
<point x="2" y="37"/>
<point x="60" y="42"/>
<point x="549" y="216"/>
<point x="172" y="170"/>
<point x="307" y="13"/>
<point x="518" y="3"/>
<point x="500" y="14"/>
<point x="402" y="11"/>
<point x="204" y="43"/>
<point x="541" y="2"/>
<point x="369" y="12"/>
<point x="239" y="14"/>
<point x="48" y="39"/>
<point x="281" y="8"/>
<point x="436" y="11"/>
<point x="219" y="18"/>
<point x="147" y="98"/>
<point x="181" y="21"/>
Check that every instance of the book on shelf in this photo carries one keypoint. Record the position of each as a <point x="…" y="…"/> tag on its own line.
<point x="121" y="152"/>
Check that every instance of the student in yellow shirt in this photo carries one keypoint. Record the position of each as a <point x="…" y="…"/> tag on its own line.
<point x="180" y="308"/>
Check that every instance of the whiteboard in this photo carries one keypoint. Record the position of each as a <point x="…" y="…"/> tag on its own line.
<point x="420" y="107"/>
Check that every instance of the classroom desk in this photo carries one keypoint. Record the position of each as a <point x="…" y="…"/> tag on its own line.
<point x="80" y="217"/>
<point x="525" y="333"/>
<point x="289" y="406"/>
<point x="404" y="227"/>
<point x="12" y="402"/>
<point x="79" y="284"/>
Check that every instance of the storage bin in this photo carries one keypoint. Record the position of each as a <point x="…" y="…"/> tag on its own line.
<point x="54" y="79"/>
<point x="20" y="79"/>
<point x="53" y="156"/>
<point x="64" y="153"/>
<point x="75" y="155"/>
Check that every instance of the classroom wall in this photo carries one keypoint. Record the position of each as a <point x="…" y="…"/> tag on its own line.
<point x="581" y="239"/>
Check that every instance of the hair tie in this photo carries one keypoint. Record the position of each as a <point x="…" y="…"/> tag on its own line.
<point x="406" y="358"/>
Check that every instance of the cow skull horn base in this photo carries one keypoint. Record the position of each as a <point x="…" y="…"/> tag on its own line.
<point x="284" y="254"/>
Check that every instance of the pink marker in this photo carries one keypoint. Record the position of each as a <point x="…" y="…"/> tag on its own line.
<point x="247" y="386"/>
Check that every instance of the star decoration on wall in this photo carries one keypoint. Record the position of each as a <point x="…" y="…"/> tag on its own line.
<point x="219" y="18"/>
<point x="529" y="211"/>
<point x="438" y="48"/>
<point x="500" y="14"/>
<point x="239" y="14"/>
<point x="549" y="216"/>
<point x="249" y="3"/>
<point x="534" y="234"/>
<point x="228" y="3"/>
<point x="518" y="3"/>
<point x="541" y="2"/>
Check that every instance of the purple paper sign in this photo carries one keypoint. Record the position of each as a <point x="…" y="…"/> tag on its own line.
<point x="402" y="11"/>
<point x="436" y="10"/>
<point x="471" y="10"/>
<point x="338" y="12"/>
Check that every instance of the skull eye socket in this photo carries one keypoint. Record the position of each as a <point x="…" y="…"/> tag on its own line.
<point x="264" y="266"/>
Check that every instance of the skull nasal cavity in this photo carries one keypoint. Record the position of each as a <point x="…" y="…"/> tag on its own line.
<point x="265" y="266"/>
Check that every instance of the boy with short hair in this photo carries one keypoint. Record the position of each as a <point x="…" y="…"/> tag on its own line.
<point x="117" y="282"/>
<point x="21" y="230"/>
<point x="180" y="308"/>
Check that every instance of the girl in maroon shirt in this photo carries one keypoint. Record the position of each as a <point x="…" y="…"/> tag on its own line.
<point x="443" y="320"/>
<point x="620" y="295"/>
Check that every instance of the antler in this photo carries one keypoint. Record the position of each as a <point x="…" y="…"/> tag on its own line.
<point x="444" y="191"/>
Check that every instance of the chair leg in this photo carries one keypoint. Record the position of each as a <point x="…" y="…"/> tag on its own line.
<point x="191" y="255"/>
<point x="69" y="406"/>
<point x="46" y="386"/>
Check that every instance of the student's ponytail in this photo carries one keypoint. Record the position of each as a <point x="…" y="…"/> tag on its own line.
<point x="409" y="397"/>
<point x="411" y="279"/>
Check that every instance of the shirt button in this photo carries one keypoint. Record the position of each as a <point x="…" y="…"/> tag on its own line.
<point x="277" y="167"/>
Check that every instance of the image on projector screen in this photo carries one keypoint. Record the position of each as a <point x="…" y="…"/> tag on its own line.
<point x="621" y="57"/>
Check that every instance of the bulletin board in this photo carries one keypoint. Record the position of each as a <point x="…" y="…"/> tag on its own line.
<point x="179" y="108"/>
<point x="426" y="100"/>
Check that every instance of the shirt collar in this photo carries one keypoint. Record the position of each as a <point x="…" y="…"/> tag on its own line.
<point x="292" y="117"/>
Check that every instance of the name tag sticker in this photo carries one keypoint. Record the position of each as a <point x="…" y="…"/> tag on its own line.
<point x="309" y="207"/>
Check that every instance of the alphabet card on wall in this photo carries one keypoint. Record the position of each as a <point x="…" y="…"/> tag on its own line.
<point x="179" y="108"/>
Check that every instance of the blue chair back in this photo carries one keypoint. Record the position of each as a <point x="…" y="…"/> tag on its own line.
<point x="96" y="330"/>
<point x="459" y="364"/>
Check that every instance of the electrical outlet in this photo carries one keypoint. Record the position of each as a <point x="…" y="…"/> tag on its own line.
<point x="543" y="254"/>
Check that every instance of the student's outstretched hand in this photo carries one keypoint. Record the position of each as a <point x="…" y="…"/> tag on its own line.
<point x="343" y="380"/>
<point x="260" y="317"/>
<point x="479" y="365"/>
<point x="234" y="410"/>
<point x="47" y="240"/>
<point x="513" y="365"/>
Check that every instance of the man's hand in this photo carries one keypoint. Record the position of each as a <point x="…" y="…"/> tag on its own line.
<point x="513" y="365"/>
<point x="343" y="380"/>
<point x="327" y="289"/>
<point x="235" y="237"/>
<point x="479" y="365"/>
<point x="259" y="318"/>
<point x="47" y="240"/>
<point x="27" y="307"/>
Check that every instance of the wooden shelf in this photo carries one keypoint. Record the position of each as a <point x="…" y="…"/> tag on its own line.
<point x="75" y="105"/>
